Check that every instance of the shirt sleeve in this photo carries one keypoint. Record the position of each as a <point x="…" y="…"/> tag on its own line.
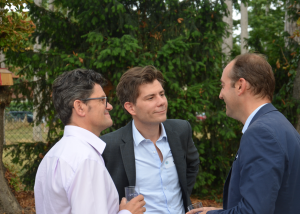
<point x="92" y="190"/>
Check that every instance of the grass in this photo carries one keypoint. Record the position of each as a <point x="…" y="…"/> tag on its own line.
<point x="14" y="178"/>
<point x="7" y="161"/>
<point x="15" y="132"/>
<point x="19" y="131"/>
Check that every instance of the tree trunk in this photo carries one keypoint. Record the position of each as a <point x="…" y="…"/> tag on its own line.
<point x="244" y="27"/>
<point x="2" y="58"/>
<point x="37" y="129"/>
<point x="296" y="94"/>
<point x="267" y="9"/>
<point x="227" y="40"/>
<point x="291" y="26"/>
<point x="51" y="6"/>
<point x="8" y="202"/>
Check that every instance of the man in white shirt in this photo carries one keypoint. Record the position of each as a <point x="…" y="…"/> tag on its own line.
<point x="72" y="177"/>
<point x="264" y="177"/>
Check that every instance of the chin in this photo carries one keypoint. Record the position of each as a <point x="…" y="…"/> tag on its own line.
<point x="162" y="119"/>
<point x="109" y="124"/>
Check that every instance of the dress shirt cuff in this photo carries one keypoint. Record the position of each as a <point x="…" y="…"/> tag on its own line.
<point x="124" y="212"/>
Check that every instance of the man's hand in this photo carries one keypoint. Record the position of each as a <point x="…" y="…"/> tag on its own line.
<point x="135" y="205"/>
<point x="203" y="210"/>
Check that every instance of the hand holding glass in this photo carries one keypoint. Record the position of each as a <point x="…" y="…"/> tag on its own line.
<point x="195" y="206"/>
<point x="131" y="192"/>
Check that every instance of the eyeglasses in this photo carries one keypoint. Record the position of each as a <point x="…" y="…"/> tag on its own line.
<point x="97" y="98"/>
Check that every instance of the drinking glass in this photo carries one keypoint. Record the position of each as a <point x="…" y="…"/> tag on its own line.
<point x="195" y="206"/>
<point x="131" y="192"/>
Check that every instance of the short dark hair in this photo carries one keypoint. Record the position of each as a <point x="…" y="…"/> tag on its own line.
<point x="128" y="87"/>
<point x="255" y="69"/>
<point x="73" y="85"/>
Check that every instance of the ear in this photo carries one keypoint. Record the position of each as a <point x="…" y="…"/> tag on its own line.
<point x="130" y="108"/>
<point x="241" y="86"/>
<point x="79" y="108"/>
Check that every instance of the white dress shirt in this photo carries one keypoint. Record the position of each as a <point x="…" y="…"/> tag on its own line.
<point x="158" y="181"/>
<point x="72" y="177"/>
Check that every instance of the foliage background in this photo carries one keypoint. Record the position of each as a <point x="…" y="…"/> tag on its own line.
<point x="181" y="38"/>
<point x="15" y="25"/>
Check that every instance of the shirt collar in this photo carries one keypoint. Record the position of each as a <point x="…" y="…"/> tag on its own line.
<point x="138" y="138"/>
<point x="86" y="136"/>
<point x="251" y="117"/>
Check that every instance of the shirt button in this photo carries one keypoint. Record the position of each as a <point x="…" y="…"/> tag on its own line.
<point x="165" y="188"/>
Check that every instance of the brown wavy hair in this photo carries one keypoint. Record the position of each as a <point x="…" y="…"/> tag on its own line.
<point x="128" y="87"/>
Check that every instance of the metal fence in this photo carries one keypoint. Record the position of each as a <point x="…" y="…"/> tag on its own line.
<point x="19" y="127"/>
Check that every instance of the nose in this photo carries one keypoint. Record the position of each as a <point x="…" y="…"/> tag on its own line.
<point x="220" y="95"/>
<point x="162" y="100"/>
<point x="109" y="106"/>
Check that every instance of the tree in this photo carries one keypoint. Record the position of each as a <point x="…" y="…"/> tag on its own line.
<point x="269" y="37"/>
<point x="8" y="203"/>
<point x="292" y="26"/>
<point x="15" y="27"/>
<point x="181" y="38"/>
<point x="227" y="44"/>
<point x="244" y="27"/>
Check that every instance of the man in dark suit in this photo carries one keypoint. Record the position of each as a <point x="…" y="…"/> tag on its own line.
<point x="151" y="152"/>
<point x="265" y="175"/>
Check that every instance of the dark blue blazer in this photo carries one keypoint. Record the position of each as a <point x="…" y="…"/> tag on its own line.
<point x="265" y="176"/>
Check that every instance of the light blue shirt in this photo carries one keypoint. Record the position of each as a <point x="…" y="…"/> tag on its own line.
<point x="158" y="181"/>
<point x="248" y="121"/>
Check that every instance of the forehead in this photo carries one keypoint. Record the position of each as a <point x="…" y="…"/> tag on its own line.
<point x="150" y="88"/>
<point x="98" y="90"/>
<point x="226" y="71"/>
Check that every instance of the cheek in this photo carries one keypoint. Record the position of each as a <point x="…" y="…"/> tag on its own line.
<point x="166" y="101"/>
<point x="224" y="93"/>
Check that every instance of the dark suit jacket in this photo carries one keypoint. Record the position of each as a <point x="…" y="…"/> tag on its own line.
<point x="265" y="177"/>
<point x="120" y="160"/>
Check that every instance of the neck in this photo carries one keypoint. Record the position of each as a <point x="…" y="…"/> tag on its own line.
<point x="250" y="106"/>
<point x="86" y="127"/>
<point x="149" y="131"/>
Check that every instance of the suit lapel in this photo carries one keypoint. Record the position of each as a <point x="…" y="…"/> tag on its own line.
<point x="127" y="153"/>
<point x="178" y="155"/>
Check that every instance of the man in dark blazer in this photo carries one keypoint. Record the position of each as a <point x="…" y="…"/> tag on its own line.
<point x="265" y="175"/>
<point x="156" y="154"/>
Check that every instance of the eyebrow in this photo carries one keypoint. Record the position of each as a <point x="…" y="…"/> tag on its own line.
<point x="148" y="95"/>
<point x="103" y="95"/>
